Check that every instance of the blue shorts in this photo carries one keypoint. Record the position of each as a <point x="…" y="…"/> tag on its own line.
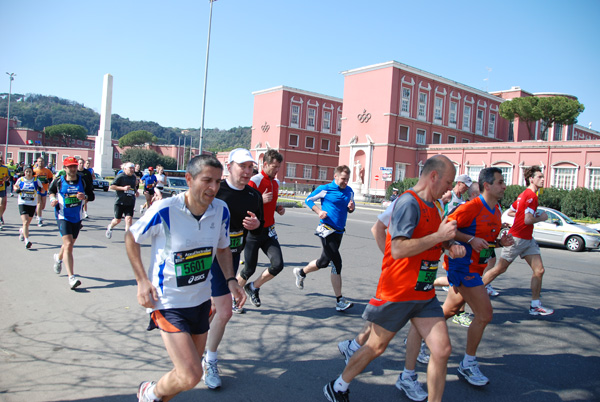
<point x="68" y="228"/>
<point x="218" y="282"/>
<point x="467" y="279"/>
<point x="193" y="320"/>
<point x="2" y="193"/>
<point x="42" y="192"/>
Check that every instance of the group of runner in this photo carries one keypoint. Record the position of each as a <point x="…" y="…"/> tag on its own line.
<point x="200" y="234"/>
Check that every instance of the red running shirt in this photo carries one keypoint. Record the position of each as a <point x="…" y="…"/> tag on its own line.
<point x="262" y="182"/>
<point x="526" y="203"/>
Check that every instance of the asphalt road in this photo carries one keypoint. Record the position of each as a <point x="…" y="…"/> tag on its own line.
<point x="91" y="344"/>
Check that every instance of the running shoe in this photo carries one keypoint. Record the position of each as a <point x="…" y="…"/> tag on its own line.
<point x="28" y="245"/>
<point x="108" y="232"/>
<point x="334" y="396"/>
<point x="57" y="264"/>
<point x="463" y="319"/>
<point x="141" y="394"/>
<point x="74" y="282"/>
<point x="445" y="288"/>
<point x="491" y="291"/>
<point x="40" y="222"/>
<point x="86" y="215"/>
<point x="299" y="278"/>
<point x="344" y="348"/>
<point x="235" y="309"/>
<point x="252" y="295"/>
<point x="540" y="310"/>
<point x="21" y="236"/>
<point x="412" y="388"/>
<point x="343" y="304"/>
<point x="472" y="374"/>
<point x="211" y="374"/>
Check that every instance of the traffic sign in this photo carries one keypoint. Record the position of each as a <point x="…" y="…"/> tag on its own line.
<point x="376" y="177"/>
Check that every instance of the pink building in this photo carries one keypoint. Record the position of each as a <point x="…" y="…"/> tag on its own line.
<point x="396" y="116"/>
<point x="304" y="127"/>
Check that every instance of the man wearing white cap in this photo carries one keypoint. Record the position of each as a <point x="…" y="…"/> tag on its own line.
<point x="463" y="182"/>
<point x="246" y="215"/>
<point x="125" y="186"/>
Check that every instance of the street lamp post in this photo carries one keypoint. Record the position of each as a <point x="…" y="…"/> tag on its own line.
<point x="205" y="77"/>
<point x="12" y="77"/>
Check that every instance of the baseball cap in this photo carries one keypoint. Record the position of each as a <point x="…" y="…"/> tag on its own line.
<point x="150" y="169"/>
<point x="70" y="161"/>
<point x="240" y="155"/>
<point x="464" y="178"/>
<point x="128" y="165"/>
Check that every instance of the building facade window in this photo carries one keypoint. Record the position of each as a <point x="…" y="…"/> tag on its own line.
<point x="337" y="146"/>
<point x="558" y="129"/>
<point x="339" y="121"/>
<point x="311" y="118"/>
<point x="291" y="170"/>
<point x="437" y="138"/>
<point x="403" y="133"/>
<point x="466" y="123"/>
<point x="479" y="122"/>
<point x="310" y="142"/>
<point x="422" y="115"/>
<point x="564" y="178"/>
<point x="570" y="133"/>
<point x="543" y="131"/>
<point x="294" y="138"/>
<point x="326" y="121"/>
<point x="492" y="125"/>
<point x="437" y="111"/>
<point x="511" y="131"/>
<point x="594" y="179"/>
<point x="465" y="141"/>
<point x="307" y="172"/>
<point x="323" y="173"/>
<point x="507" y="172"/>
<point x="473" y="172"/>
<point x="400" y="173"/>
<point x="453" y="114"/>
<point x="421" y="136"/>
<point x="405" y="108"/>
<point x="295" y="116"/>
<point x="451" y="139"/>
<point x="324" y="144"/>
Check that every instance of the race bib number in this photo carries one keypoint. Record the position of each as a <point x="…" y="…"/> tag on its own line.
<point x="28" y="195"/>
<point x="487" y="253"/>
<point x="43" y="179"/>
<point x="272" y="232"/>
<point x="192" y="266"/>
<point x="427" y="274"/>
<point x="129" y="193"/>
<point x="71" y="201"/>
<point x="324" y="230"/>
<point x="236" y="239"/>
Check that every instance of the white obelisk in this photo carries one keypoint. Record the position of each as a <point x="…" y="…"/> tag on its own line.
<point x="103" y="156"/>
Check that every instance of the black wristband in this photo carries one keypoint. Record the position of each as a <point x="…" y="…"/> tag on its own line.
<point x="231" y="279"/>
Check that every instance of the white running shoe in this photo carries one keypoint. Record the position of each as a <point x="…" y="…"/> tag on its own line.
<point x="412" y="388"/>
<point x="211" y="374"/>
<point x="343" y="304"/>
<point x="344" y="348"/>
<point x="299" y="278"/>
<point x="21" y="236"/>
<point x="540" y="310"/>
<point x="472" y="374"/>
<point x="108" y="232"/>
<point x="57" y="264"/>
<point x="74" y="282"/>
<point x="491" y="291"/>
<point x="141" y="394"/>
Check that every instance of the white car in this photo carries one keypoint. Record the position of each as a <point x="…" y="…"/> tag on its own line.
<point x="561" y="230"/>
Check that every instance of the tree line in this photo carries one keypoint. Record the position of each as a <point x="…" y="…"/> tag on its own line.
<point x="36" y="112"/>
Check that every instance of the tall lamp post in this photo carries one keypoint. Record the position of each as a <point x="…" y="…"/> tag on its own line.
<point x="205" y="77"/>
<point x="12" y="77"/>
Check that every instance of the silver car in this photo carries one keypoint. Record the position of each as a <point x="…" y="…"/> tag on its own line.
<point x="175" y="185"/>
<point x="561" y="230"/>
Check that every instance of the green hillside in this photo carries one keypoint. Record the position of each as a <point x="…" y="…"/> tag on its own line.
<point x="38" y="111"/>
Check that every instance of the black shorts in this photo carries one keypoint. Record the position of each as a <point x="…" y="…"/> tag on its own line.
<point x="123" y="210"/>
<point x="68" y="228"/>
<point x="27" y="210"/>
<point x="193" y="320"/>
<point x="149" y="191"/>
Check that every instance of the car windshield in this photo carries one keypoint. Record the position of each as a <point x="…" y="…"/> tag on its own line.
<point x="178" y="182"/>
<point x="565" y="217"/>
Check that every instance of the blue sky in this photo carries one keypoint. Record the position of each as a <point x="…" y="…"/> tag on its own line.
<point x="156" y="50"/>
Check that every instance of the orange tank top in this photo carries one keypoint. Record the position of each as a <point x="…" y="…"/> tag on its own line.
<point x="411" y="278"/>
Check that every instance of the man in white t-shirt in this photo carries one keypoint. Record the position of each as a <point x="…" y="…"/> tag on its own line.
<point x="187" y="232"/>
<point x="463" y="182"/>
